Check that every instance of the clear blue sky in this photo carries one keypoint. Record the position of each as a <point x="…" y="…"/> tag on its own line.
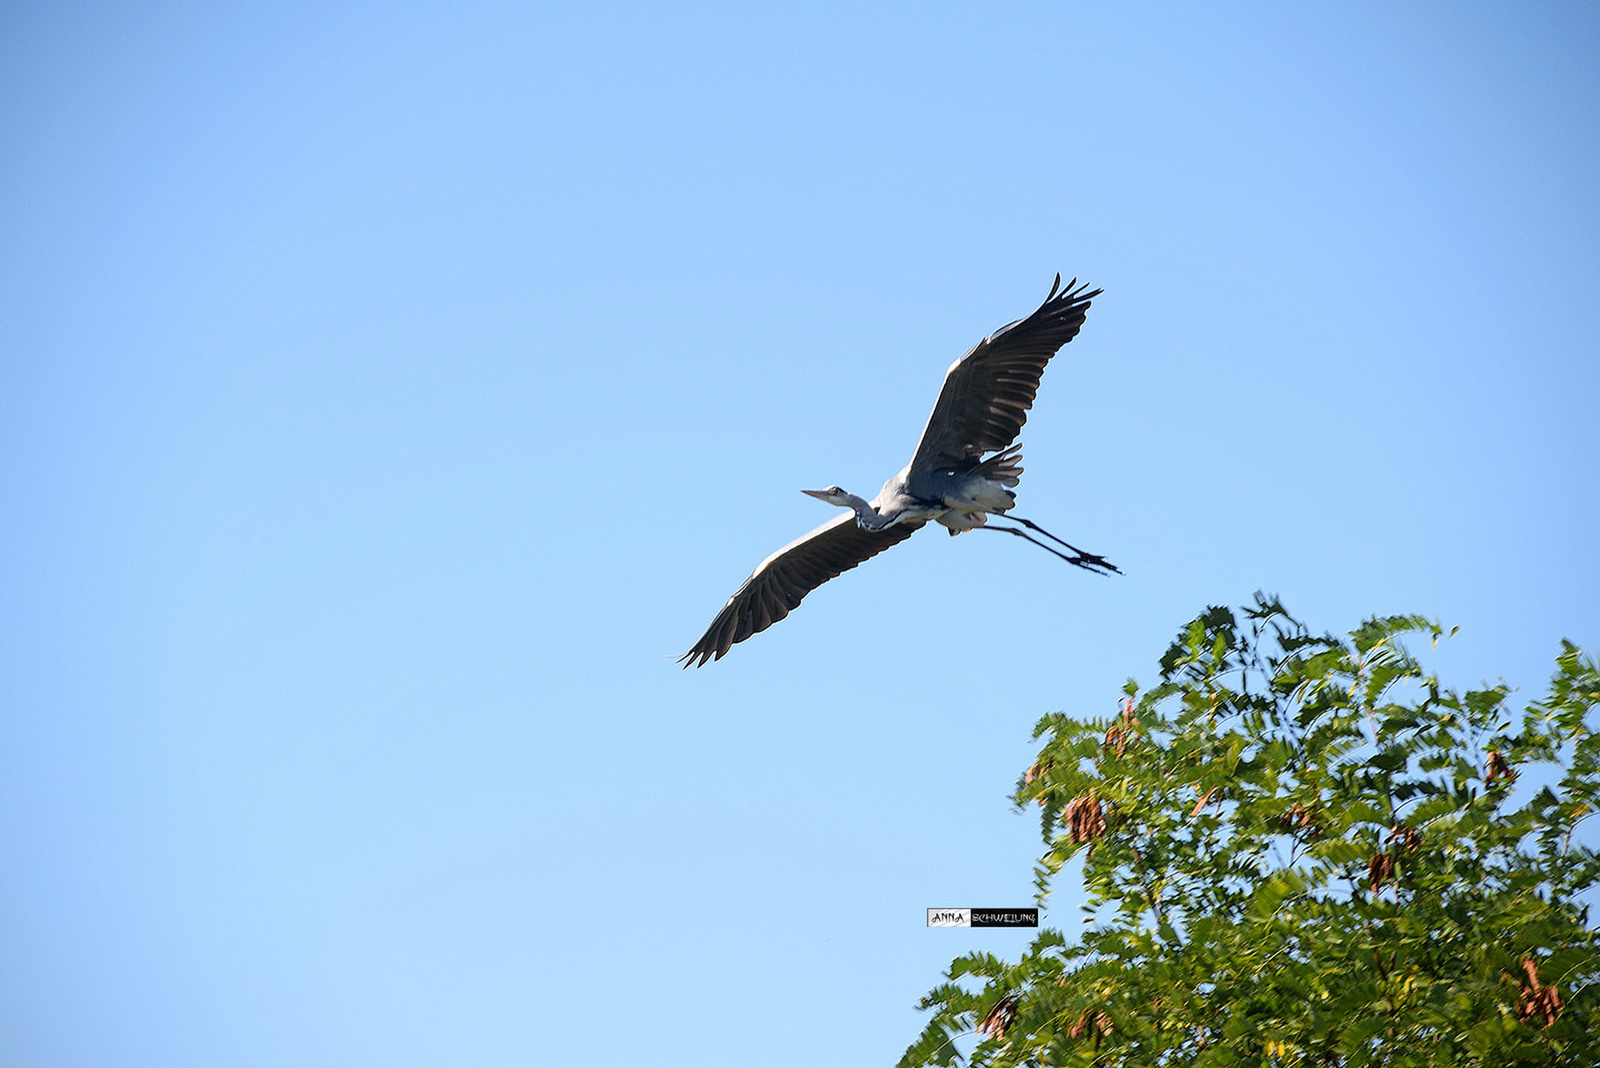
<point x="389" y="391"/>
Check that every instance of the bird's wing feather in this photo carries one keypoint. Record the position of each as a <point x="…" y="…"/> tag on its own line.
<point x="783" y="579"/>
<point x="987" y="393"/>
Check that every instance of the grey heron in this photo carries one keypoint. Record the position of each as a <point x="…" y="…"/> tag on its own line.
<point x="960" y="476"/>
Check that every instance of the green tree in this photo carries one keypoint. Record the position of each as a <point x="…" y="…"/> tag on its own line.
<point x="1300" y="850"/>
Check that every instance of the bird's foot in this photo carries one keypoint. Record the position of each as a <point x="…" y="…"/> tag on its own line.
<point x="1091" y="562"/>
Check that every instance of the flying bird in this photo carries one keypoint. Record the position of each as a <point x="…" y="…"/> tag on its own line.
<point x="960" y="476"/>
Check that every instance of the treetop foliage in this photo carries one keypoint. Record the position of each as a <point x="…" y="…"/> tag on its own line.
<point x="1303" y="850"/>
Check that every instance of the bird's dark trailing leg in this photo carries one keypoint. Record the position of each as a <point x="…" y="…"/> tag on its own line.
<point x="1097" y="561"/>
<point x="1088" y="561"/>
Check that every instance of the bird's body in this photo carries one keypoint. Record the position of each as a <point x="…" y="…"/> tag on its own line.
<point x="957" y="499"/>
<point x="961" y="474"/>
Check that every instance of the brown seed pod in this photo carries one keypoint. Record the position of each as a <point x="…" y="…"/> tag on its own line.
<point x="1091" y="1022"/>
<point x="1497" y="768"/>
<point x="1083" y="818"/>
<point x="1123" y="730"/>
<point x="1380" y="869"/>
<point x="1036" y="773"/>
<point x="1409" y="838"/>
<point x="997" y="1021"/>
<point x="1297" y="817"/>
<point x="1541" y="1001"/>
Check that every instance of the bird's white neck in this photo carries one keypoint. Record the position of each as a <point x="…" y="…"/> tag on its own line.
<point x="866" y="515"/>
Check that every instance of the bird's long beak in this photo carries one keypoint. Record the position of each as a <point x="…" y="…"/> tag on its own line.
<point x="820" y="495"/>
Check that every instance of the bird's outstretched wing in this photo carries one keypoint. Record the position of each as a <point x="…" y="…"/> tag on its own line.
<point x="987" y="393"/>
<point x="783" y="579"/>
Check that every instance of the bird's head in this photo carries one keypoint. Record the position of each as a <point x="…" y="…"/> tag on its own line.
<point x="833" y="495"/>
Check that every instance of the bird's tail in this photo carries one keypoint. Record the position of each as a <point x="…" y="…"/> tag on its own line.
<point x="1004" y="467"/>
